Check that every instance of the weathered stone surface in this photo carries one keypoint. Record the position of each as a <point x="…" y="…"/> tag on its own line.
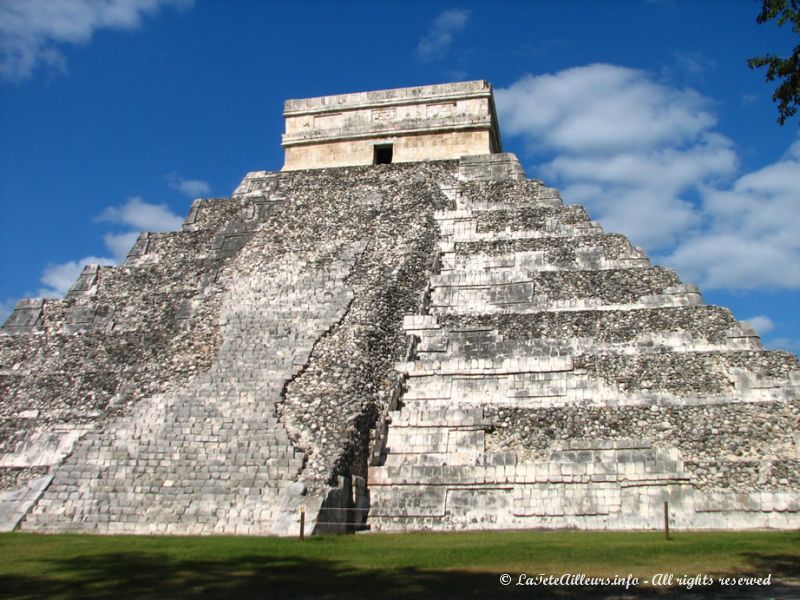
<point x="425" y="345"/>
<point x="433" y="122"/>
<point x="560" y="380"/>
<point x="268" y="363"/>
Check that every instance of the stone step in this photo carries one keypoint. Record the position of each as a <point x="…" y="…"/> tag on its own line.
<point x="536" y="219"/>
<point x="584" y="478"/>
<point x="462" y="366"/>
<point x="473" y="344"/>
<point x="588" y="246"/>
<point x="455" y="417"/>
<point x="687" y="377"/>
<point x="521" y="300"/>
<point x="421" y="440"/>
<point x="712" y="324"/>
<point x="745" y="373"/>
<point x="468" y="230"/>
<point x="528" y="261"/>
<point x="543" y="289"/>
<point x="532" y="217"/>
<point x="636" y="468"/>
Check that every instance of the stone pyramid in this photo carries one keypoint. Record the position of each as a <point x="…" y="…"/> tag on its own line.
<point x="399" y="331"/>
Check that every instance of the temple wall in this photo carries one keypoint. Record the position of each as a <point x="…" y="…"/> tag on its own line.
<point x="438" y="122"/>
<point x="408" y="148"/>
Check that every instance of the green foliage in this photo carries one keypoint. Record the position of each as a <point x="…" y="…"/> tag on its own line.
<point x="787" y="94"/>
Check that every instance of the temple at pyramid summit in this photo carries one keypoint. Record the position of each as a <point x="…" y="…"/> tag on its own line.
<point x="398" y="331"/>
<point x="437" y="122"/>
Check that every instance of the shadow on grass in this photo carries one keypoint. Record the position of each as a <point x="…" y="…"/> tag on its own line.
<point x="151" y="575"/>
<point x="782" y="566"/>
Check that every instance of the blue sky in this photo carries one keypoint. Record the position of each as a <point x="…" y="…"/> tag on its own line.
<point x="115" y="114"/>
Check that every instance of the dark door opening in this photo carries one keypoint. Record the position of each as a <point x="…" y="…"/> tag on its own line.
<point x="382" y="155"/>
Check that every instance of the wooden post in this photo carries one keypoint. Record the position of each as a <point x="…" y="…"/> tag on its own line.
<point x="666" y="520"/>
<point x="302" y="523"/>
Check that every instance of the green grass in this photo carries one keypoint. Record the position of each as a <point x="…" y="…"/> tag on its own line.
<point x="463" y="565"/>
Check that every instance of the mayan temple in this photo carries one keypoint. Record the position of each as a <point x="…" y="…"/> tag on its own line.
<point x="397" y="331"/>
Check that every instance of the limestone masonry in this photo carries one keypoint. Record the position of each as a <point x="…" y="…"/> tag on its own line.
<point x="433" y="122"/>
<point x="399" y="331"/>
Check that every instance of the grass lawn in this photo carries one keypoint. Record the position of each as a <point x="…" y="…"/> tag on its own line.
<point x="425" y="565"/>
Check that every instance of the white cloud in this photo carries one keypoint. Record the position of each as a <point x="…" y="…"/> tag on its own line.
<point x="631" y="149"/>
<point x="135" y="215"/>
<point x="32" y="30"/>
<point x="437" y="41"/>
<point x="601" y="108"/>
<point x="761" y="323"/>
<point x="120" y="244"/>
<point x="694" y="63"/>
<point x="58" y="278"/>
<point x="793" y="153"/>
<point x="193" y="188"/>
<point x="651" y="218"/>
<point x="644" y="158"/>
<point x="140" y="215"/>
<point x="751" y="238"/>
